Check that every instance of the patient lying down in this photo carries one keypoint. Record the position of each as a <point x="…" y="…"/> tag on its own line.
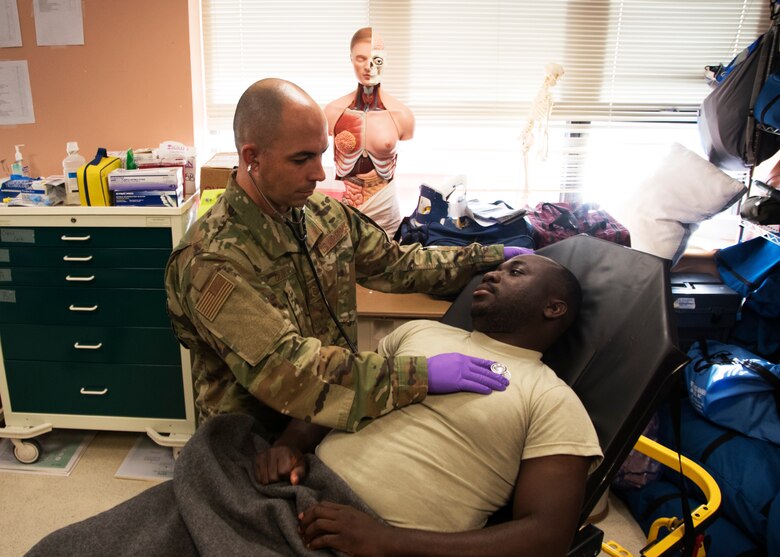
<point x="448" y="463"/>
<point x="421" y="480"/>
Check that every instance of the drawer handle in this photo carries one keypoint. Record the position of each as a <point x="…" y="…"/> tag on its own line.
<point x="80" y="279"/>
<point x="82" y="308"/>
<point x="75" y="238"/>
<point x="84" y="391"/>
<point x="79" y="259"/>
<point x="80" y="346"/>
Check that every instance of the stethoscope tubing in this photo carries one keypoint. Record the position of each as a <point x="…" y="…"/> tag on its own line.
<point x="298" y="229"/>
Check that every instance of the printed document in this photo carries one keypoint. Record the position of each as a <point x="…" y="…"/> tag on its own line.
<point x="10" y="34"/>
<point x="16" y="105"/>
<point x="58" y="22"/>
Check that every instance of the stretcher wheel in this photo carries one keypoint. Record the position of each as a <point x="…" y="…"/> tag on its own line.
<point x="28" y="451"/>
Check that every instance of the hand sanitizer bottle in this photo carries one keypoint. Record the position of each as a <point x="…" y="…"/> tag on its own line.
<point x="18" y="167"/>
<point x="70" y="166"/>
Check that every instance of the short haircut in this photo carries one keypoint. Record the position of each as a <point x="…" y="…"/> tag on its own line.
<point x="570" y="290"/>
<point x="259" y="113"/>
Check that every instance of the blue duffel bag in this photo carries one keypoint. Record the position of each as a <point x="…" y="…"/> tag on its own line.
<point x="661" y="499"/>
<point x="735" y="388"/>
<point x="747" y="470"/>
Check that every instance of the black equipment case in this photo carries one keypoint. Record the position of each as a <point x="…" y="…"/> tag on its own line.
<point x="704" y="307"/>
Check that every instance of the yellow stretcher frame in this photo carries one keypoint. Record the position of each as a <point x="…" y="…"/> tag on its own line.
<point x="701" y="516"/>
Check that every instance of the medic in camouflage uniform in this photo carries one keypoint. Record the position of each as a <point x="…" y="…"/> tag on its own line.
<point x="243" y="299"/>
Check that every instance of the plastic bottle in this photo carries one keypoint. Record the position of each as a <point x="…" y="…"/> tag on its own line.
<point x="70" y="166"/>
<point x="18" y="167"/>
<point x="130" y="161"/>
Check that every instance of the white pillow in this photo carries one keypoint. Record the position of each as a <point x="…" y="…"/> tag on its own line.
<point x="684" y="190"/>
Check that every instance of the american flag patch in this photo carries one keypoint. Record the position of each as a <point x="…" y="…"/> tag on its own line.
<point x="215" y="296"/>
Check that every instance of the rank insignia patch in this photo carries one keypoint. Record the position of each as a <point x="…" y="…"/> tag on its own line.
<point x="328" y="242"/>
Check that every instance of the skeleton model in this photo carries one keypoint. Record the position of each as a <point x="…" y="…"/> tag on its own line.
<point x="538" y="118"/>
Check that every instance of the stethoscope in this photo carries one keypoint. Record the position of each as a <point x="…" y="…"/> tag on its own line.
<point x="297" y="225"/>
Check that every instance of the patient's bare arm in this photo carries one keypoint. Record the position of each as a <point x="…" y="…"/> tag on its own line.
<point x="548" y="499"/>
<point x="284" y="459"/>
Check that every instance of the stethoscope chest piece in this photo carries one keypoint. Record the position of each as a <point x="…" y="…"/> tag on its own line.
<point x="298" y="226"/>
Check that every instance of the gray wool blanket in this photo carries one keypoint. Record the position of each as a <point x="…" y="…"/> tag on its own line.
<point x="212" y="507"/>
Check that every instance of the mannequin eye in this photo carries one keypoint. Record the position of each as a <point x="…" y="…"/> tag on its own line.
<point x="378" y="61"/>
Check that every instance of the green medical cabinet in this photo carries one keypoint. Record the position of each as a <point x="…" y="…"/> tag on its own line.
<point x="85" y="340"/>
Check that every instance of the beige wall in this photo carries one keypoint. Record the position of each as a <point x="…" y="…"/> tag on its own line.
<point x="129" y="85"/>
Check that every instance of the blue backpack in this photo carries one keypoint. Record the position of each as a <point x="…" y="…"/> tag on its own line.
<point x="729" y="126"/>
<point x="767" y="109"/>
<point x="430" y="225"/>
<point x="734" y="388"/>
<point x="752" y="268"/>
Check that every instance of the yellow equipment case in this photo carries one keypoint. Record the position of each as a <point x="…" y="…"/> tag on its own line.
<point x="93" y="179"/>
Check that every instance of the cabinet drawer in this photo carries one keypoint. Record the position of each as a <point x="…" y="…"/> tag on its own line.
<point x="128" y="345"/>
<point x="86" y="236"/>
<point x="96" y="389"/>
<point x="94" y="277"/>
<point x="84" y="258"/>
<point x="84" y="306"/>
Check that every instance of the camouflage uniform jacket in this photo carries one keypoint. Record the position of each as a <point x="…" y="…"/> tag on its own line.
<point x="242" y="298"/>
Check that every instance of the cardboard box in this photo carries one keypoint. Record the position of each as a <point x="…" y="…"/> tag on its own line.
<point x="215" y="172"/>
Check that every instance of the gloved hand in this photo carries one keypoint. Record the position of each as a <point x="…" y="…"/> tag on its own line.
<point x="513" y="251"/>
<point x="453" y="372"/>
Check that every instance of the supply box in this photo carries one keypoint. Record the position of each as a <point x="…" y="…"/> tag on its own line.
<point x="147" y="187"/>
<point x="170" y="154"/>
<point x="704" y="307"/>
<point x="149" y="198"/>
<point x="12" y="187"/>
<point x="215" y="172"/>
<point x="165" y="178"/>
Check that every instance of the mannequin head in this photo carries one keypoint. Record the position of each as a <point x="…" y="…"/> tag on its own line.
<point x="367" y="53"/>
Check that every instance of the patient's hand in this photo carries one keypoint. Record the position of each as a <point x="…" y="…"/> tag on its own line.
<point x="280" y="463"/>
<point x="344" y="528"/>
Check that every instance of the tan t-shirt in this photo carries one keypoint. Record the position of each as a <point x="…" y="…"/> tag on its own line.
<point x="449" y="462"/>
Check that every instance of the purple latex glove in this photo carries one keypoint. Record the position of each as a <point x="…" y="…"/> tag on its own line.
<point x="453" y="372"/>
<point x="513" y="251"/>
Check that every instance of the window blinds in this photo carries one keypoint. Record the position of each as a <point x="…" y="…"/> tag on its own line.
<point x="470" y="70"/>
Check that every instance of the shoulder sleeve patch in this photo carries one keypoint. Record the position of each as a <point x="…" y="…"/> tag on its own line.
<point x="215" y="296"/>
<point x="201" y="276"/>
<point x="330" y="240"/>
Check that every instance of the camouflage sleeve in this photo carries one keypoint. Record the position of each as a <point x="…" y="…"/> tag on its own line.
<point x="384" y="265"/>
<point x="294" y="375"/>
